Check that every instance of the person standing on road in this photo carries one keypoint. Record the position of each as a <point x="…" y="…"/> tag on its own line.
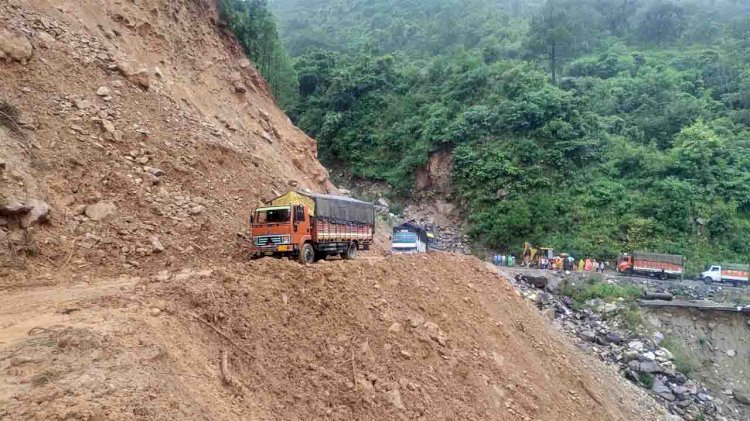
<point x="580" y="265"/>
<point x="601" y="266"/>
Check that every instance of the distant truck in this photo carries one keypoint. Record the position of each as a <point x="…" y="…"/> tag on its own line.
<point x="659" y="265"/>
<point x="727" y="273"/>
<point x="409" y="238"/>
<point x="311" y="226"/>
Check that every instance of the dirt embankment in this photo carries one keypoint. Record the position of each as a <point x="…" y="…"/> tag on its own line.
<point x="144" y="138"/>
<point x="415" y="337"/>
<point x="717" y="347"/>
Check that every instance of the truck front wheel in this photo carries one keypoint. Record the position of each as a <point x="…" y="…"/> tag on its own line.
<point x="351" y="252"/>
<point x="307" y="254"/>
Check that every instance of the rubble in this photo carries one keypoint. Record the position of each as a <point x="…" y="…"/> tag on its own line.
<point x="639" y="358"/>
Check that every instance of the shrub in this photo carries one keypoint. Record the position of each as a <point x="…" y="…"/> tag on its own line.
<point x="646" y="379"/>
<point x="597" y="289"/>
<point x="10" y="116"/>
<point x="683" y="358"/>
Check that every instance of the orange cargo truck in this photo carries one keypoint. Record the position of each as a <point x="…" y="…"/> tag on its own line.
<point x="660" y="265"/>
<point x="310" y="226"/>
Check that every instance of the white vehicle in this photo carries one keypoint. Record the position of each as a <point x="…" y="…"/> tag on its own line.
<point x="734" y="274"/>
<point x="409" y="238"/>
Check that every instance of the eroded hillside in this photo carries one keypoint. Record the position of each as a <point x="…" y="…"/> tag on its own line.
<point x="145" y="137"/>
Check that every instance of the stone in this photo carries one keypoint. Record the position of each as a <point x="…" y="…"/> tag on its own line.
<point x="156" y="172"/>
<point x="240" y="88"/>
<point x="156" y="245"/>
<point x="394" y="398"/>
<point x="630" y="355"/>
<point x="649" y="367"/>
<point x="609" y="308"/>
<point x="383" y="202"/>
<point x="741" y="397"/>
<point x="38" y="214"/>
<point x="12" y="207"/>
<point x="658" y="337"/>
<point x="549" y="314"/>
<point x="82" y="104"/>
<point x="103" y="91"/>
<point x="647" y="356"/>
<point x="635" y="346"/>
<point x="662" y="390"/>
<point x="587" y="335"/>
<point x="748" y="322"/>
<point x="15" y="47"/>
<point x="46" y="39"/>
<point x="416" y="321"/>
<point x="679" y="378"/>
<point x="395" y="328"/>
<point x="108" y="126"/>
<point x="614" y="337"/>
<point x="155" y="312"/>
<point x="101" y="210"/>
<point x="196" y="210"/>
<point x="731" y="353"/>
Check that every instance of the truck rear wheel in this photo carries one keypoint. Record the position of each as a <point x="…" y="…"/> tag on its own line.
<point x="307" y="254"/>
<point x="351" y="252"/>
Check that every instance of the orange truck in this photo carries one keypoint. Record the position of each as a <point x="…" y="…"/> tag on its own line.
<point x="659" y="265"/>
<point x="311" y="226"/>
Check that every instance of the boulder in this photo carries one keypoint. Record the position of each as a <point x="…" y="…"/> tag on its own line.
<point x="635" y="345"/>
<point x="103" y="91"/>
<point x="156" y="245"/>
<point x="647" y="356"/>
<point x="101" y="210"/>
<point x="14" y="47"/>
<point x="614" y="337"/>
<point x="38" y="214"/>
<point x="12" y="207"/>
<point x="650" y="367"/>
<point x="741" y="397"/>
<point x="587" y="335"/>
<point x="662" y="390"/>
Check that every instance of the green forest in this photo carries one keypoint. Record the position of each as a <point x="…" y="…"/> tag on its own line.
<point x="591" y="126"/>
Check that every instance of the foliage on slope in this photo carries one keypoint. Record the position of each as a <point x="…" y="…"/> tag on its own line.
<point x="594" y="126"/>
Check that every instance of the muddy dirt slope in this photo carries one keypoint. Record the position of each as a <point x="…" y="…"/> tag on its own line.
<point x="142" y="137"/>
<point x="405" y="337"/>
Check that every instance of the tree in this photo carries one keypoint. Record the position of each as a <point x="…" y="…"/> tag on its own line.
<point x="662" y="22"/>
<point x="554" y="33"/>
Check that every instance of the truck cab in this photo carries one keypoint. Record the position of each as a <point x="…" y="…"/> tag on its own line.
<point x="280" y="229"/>
<point x="713" y="274"/>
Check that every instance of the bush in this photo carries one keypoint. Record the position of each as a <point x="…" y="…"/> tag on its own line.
<point x="683" y="358"/>
<point x="646" y="379"/>
<point x="10" y="116"/>
<point x="631" y="317"/>
<point x="594" y="288"/>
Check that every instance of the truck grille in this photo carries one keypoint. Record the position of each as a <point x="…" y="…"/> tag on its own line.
<point x="271" y="240"/>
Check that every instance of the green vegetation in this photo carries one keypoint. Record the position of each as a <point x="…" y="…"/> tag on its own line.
<point x="255" y="28"/>
<point x="593" y="126"/>
<point x="684" y="360"/>
<point x="646" y="379"/>
<point x="594" y="288"/>
<point x="631" y="317"/>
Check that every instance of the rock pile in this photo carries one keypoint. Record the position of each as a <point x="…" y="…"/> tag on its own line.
<point x="640" y="359"/>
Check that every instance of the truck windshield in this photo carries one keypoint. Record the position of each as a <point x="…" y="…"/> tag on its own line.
<point x="273" y="215"/>
<point x="404" y="237"/>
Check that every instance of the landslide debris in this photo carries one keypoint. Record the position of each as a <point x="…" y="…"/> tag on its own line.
<point x="406" y="337"/>
<point x="123" y="122"/>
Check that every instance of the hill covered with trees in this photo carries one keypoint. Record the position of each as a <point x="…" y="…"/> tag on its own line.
<point x="593" y="126"/>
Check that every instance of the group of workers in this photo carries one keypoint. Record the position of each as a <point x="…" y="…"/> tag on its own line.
<point x="503" y="260"/>
<point x="569" y="263"/>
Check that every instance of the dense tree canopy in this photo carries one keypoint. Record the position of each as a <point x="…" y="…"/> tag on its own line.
<point x="594" y="126"/>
